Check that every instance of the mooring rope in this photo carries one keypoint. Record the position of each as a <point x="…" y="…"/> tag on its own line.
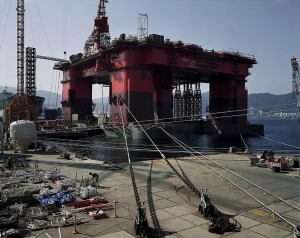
<point x="242" y="138"/>
<point x="270" y="139"/>
<point x="241" y="189"/>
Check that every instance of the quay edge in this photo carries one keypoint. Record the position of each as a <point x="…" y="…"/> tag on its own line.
<point x="220" y="129"/>
<point x="196" y="127"/>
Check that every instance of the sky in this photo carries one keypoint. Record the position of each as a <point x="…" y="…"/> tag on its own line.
<point x="267" y="29"/>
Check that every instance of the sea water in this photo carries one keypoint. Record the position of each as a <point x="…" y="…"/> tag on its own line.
<point x="282" y="136"/>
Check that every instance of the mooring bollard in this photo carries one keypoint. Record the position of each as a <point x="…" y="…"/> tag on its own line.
<point x="115" y="204"/>
<point x="74" y="231"/>
<point x="115" y="214"/>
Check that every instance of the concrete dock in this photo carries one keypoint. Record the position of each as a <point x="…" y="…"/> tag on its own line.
<point x="175" y="214"/>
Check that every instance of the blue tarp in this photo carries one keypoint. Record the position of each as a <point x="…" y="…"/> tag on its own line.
<point x="60" y="198"/>
<point x="45" y="199"/>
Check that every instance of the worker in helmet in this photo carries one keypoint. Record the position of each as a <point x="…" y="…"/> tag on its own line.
<point x="95" y="178"/>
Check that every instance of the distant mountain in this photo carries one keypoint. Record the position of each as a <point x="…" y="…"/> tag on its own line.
<point x="100" y="108"/>
<point x="264" y="101"/>
<point x="52" y="100"/>
<point x="270" y="102"/>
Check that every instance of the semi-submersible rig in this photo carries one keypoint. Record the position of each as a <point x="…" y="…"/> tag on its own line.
<point x="154" y="80"/>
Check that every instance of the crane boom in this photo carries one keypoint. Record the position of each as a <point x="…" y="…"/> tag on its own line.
<point x="296" y="82"/>
<point x="51" y="58"/>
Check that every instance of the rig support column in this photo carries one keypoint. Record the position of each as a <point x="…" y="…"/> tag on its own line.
<point x="135" y="87"/>
<point x="162" y="103"/>
<point x="228" y="102"/>
<point x="76" y="98"/>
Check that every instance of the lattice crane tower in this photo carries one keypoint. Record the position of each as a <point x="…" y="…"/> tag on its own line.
<point x="296" y="82"/>
<point x="20" y="106"/>
<point x="20" y="47"/>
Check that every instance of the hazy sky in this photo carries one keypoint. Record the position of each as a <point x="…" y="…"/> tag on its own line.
<point x="267" y="29"/>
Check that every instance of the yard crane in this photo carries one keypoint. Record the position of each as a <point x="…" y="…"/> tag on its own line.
<point x="20" y="106"/>
<point x="296" y="83"/>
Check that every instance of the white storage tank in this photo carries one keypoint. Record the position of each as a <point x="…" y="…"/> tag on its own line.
<point x="23" y="132"/>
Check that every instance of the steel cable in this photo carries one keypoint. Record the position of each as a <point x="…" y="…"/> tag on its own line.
<point x="242" y="138"/>
<point x="271" y="210"/>
<point x="5" y="24"/>
<point x="271" y="139"/>
<point x="174" y="119"/>
<point x="31" y="25"/>
<point x="188" y="183"/>
<point x="3" y="12"/>
<point x="43" y="27"/>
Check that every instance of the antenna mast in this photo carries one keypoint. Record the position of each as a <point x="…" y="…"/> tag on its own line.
<point x="142" y="27"/>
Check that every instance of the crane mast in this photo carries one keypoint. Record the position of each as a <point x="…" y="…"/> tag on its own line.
<point x="296" y="82"/>
<point x="20" y="46"/>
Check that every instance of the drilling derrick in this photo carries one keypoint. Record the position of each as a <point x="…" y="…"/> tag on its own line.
<point x="100" y="34"/>
<point x="296" y="82"/>
<point x="86" y="69"/>
<point x="20" y="106"/>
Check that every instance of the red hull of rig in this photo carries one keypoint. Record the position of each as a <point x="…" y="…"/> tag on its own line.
<point x="142" y="74"/>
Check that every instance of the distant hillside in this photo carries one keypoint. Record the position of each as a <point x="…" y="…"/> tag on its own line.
<point x="101" y="107"/>
<point x="270" y="102"/>
<point x="265" y="101"/>
<point x="52" y="100"/>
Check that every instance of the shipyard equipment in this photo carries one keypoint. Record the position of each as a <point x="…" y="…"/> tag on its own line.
<point x="141" y="222"/>
<point x="22" y="134"/>
<point x="204" y="203"/>
<point x="296" y="83"/>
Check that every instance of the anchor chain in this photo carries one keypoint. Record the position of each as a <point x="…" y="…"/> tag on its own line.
<point x="136" y="194"/>
<point x="219" y="223"/>
<point x="188" y="183"/>
<point x="223" y="224"/>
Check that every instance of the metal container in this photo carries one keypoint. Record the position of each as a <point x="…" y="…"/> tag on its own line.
<point x="22" y="132"/>
<point x="253" y="160"/>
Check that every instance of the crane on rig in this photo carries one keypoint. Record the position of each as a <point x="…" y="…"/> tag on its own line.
<point x="296" y="83"/>
<point x="100" y="35"/>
